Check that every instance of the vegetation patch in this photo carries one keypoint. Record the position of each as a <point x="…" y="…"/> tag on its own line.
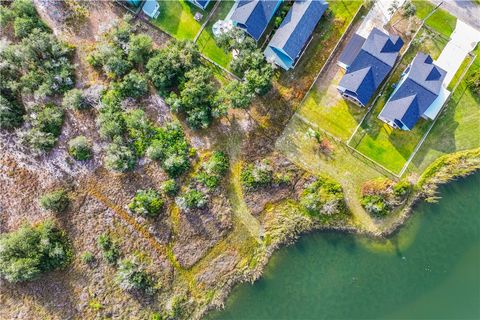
<point x="381" y="196"/>
<point x="56" y="201"/>
<point x="80" y="148"/>
<point x="32" y="250"/>
<point x="147" y="202"/>
<point x="132" y="276"/>
<point x="323" y="197"/>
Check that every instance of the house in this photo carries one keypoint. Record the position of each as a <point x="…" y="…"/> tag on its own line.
<point x="253" y="16"/>
<point x="151" y="8"/>
<point x="419" y="93"/>
<point x="369" y="67"/>
<point x="202" y="4"/>
<point x="294" y="33"/>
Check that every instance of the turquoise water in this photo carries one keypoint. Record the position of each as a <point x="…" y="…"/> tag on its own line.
<point x="430" y="269"/>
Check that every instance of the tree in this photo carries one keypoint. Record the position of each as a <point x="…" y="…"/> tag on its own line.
<point x="393" y="7"/>
<point x="323" y="196"/>
<point x="75" y="99"/>
<point x="111" y="121"/>
<point x="79" y="148"/>
<point x="409" y="9"/>
<point x="116" y="66"/>
<point x="11" y="115"/>
<point x="196" y="99"/>
<point x="56" y="200"/>
<point x="167" y="67"/>
<point x="147" y="203"/>
<point x="46" y="124"/>
<point x="32" y="250"/>
<point x="213" y="170"/>
<point x="119" y="157"/>
<point x="140" y="49"/>
<point x="131" y="275"/>
<point x="140" y="130"/>
<point x="134" y="85"/>
<point x="236" y="94"/>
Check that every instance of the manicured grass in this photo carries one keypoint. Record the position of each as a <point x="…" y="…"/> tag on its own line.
<point x="206" y="42"/>
<point x="176" y="19"/>
<point x="457" y="127"/>
<point x="441" y="21"/>
<point x="326" y="108"/>
<point x="392" y="148"/>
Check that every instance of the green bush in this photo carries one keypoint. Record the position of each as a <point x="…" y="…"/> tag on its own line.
<point x="87" y="257"/>
<point x="110" y="250"/>
<point x="258" y="175"/>
<point x="140" y="130"/>
<point x="74" y="99"/>
<point x="133" y="85"/>
<point x="111" y="122"/>
<point x="213" y="170"/>
<point x="46" y="124"/>
<point x="170" y="187"/>
<point x="80" y="149"/>
<point x="473" y="81"/>
<point x="192" y="199"/>
<point x="131" y="275"/>
<point x="323" y="196"/>
<point x="11" y="115"/>
<point x="376" y="204"/>
<point x="170" y="147"/>
<point x="402" y="188"/>
<point x="119" y="157"/>
<point x="32" y="250"/>
<point x="56" y="200"/>
<point x="140" y="48"/>
<point x="147" y="203"/>
<point x="381" y="196"/>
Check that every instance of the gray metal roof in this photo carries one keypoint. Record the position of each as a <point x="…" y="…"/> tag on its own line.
<point x="352" y="49"/>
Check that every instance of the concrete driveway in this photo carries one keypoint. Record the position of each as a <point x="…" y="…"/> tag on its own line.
<point x="463" y="40"/>
<point x="465" y="10"/>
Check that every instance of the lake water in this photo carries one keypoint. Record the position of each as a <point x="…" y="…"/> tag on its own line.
<point x="429" y="269"/>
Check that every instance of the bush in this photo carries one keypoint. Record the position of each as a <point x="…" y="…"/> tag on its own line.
<point x="473" y="81"/>
<point x="119" y="157"/>
<point x="170" y="147"/>
<point x="134" y="85"/>
<point x="111" y="251"/>
<point x="74" y="99"/>
<point x="323" y="196"/>
<point x="140" y="130"/>
<point x="147" y="203"/>
<point x="192" y="199"/>
<point x="11" y="115"/>
<point x="30" y="251"/>
<point x="213" y="170"/>
<point x="381" y="196"/>
<point x="46" y="124"/>
<point x="56" y="200"/>
<point x="79" y="148"/>
<point x="111" y="122"/>
<point x="402" y="188"/>
<point x="170" y="187"/>
<point x="131" y="275"/>
<point x="88" y="257"/>
<point x="254" y="176"/>
<point x="140" y="48"/>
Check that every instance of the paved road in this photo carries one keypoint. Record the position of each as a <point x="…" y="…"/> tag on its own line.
<point x="465" y="10"/>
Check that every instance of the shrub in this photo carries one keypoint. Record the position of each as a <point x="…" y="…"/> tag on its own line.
<point x="192" y="199"/>
<point x="170" y="187"/>
<point x="79" y="148"/>
<point x="140" y="130"/>
<point x="48" y="118"/>
<point x="11" y="115"/>
<point x="111" y="122"/>
<point x="213" y="170"/>
<point x="147" y="203"/>
<point x="131" y="275"/>
<point x="32" y="250"/>
<point x="56" y="200"/>
<point x="473" y="81"/>
<point x="402" y="188"/>
<point x="254" y="176"/>
<point x="111" y="251"/>
<point x="170" y="147"/>
<point x="323" y="196"/>
<point x="74" y="99"/>
<point x="140" y="48"/>
<point x="87" y="257"/>
<point x="119" y="157"/>
<point x="381" y="196"/>
<point x="133" y="85"/>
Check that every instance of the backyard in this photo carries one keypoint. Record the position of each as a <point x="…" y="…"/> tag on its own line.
<point x="456" y="128"/>
<point x="177" y="19"/>
<point x="389" y="147"/>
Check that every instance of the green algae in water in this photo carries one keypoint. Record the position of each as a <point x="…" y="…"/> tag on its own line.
<point x="429" y="269"/>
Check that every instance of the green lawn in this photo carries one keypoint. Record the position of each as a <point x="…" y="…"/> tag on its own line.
<point x="457" y="128"/>
<point x="206" y="41"/>
<point x="440" y="20"/>
<point x="326" y="108"/>
<point x="176" y="19"/>
<point x="392" y="148"/>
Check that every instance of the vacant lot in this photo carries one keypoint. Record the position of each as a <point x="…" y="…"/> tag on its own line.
<point x="441" y="21"/>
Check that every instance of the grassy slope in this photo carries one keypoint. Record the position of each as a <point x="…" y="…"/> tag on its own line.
<point x="457" y="127"/>
<point x="206" y="41"/>
<point x="392" y="148"/>
<point x="176" y="18"/>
